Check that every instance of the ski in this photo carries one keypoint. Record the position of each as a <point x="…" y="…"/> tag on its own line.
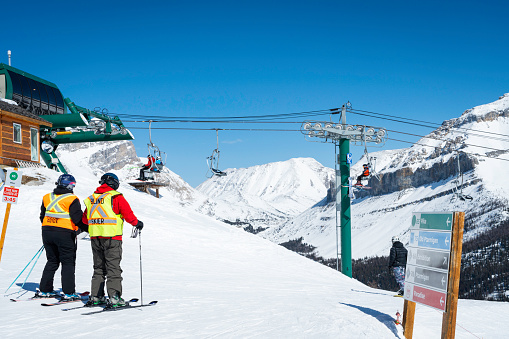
<point x="152" y="303"/>
<point x="56" y="296"/>
<point x="63" y="301"/>
<point x="399" y="296"/>
<point x="133" y="300"/>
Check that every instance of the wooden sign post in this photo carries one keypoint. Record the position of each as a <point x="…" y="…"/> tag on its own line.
<point x="10" y="196"/>
<point x="449" y="317"/>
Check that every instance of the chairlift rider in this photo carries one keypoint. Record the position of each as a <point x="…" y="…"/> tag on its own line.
<point x="365" y="174"/>
<point x="147" y="167"/>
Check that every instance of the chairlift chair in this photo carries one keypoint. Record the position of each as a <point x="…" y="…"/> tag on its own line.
<point x="213" y="160"/>
<point x="155" y="153"/>
<point x="458" y="186"/>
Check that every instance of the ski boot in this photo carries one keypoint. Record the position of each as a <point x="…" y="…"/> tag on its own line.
<point x="70" y="297"/>
<point x="117" y="301"/>
<point x="43" y="295"/>
<point x="96" y="301"/>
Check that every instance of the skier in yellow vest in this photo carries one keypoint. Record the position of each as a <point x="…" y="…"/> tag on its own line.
<point x="61" y="217"/>
<point x="105" y="212"/>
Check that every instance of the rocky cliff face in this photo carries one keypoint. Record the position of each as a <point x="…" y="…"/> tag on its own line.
<point x="106" y="156"/>
<point x="408" y="178"/>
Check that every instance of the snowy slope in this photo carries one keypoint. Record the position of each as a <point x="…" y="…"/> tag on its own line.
<point x="420" y="178"/>
<point x="211" y="280"/>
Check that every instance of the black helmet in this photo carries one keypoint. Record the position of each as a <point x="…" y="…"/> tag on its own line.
<point x="66" y="181"/>
<point x="110" y="179"/>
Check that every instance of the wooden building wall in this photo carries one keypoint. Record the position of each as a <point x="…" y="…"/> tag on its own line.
<point x="10" y="150"/>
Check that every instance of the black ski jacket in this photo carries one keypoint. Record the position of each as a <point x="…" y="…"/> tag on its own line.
<point x="398" y="255"/>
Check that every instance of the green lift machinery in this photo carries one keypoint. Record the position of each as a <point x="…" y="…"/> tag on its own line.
<point x="44" y="99"/>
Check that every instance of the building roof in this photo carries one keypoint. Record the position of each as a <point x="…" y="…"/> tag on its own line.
<point x="5" y="106"/>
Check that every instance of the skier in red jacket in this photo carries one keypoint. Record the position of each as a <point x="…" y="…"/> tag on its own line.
<point x="106" y="210"/>
<point x="150" y="161"/>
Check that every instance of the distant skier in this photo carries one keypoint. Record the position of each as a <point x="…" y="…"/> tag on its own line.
<point x="148" y="166"/>
<point x="60" y="217"/>
<point x="365" y="174"/>
<point x="397" y="261"/>
<point x="105" y="212"/>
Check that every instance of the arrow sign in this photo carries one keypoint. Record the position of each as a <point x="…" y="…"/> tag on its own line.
<point x="432" y="221"/>
<point x="425" y="296"/>
<point x="426" y="277"/>
<point x="428" y="258"/>
<point x="430" y="239"/>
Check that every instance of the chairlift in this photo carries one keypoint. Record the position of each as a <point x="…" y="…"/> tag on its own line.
<point x="213" y="160"/>
<point x="371" y="161"/>
<point x="158" y="156"/>
<point x="458" y="188"/>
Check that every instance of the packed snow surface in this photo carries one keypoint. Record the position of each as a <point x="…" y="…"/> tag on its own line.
<point x="211" y="280"/>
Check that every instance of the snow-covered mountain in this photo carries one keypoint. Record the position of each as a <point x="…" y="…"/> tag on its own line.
<point x="265" y="195"/>
<point x="287" y="199"/>
<point x="421" y="178"/>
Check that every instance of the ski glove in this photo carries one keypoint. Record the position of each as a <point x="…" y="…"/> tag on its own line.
<point x="139" y="225"/>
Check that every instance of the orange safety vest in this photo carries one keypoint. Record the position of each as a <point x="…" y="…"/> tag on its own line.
<point x="57" y="210"/>
<point x="366" y="171"/>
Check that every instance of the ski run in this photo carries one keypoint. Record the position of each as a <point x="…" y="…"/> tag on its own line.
<point x="211" y="280"/>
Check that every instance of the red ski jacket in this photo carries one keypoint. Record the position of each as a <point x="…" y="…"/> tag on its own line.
<point x="151" y="160"/>
<point x="120" y="206"/>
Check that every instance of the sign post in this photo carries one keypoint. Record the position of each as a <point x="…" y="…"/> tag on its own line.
<point x="433" y="266"/>
<point x="449" y="317"/>
<point x="10" y="196"/>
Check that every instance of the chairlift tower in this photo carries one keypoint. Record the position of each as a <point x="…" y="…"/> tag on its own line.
<point x="341" y="134"/>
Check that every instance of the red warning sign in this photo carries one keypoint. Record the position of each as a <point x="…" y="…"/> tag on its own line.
<point x="10" y="195"/>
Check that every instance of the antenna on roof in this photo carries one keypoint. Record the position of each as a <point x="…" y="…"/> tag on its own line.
<point x="9" y="56"/>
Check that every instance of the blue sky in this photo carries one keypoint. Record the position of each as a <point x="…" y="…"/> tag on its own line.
<point x="428" y="60"/>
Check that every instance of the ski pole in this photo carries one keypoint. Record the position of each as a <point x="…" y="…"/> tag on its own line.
<point x="40" y="250"/>
<point x="35" y="262"/>
<point x="141" y="274"/>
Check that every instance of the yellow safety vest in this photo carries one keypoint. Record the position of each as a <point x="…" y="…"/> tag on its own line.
<point x="57" y="210"/>
<point x="102" y="220"/>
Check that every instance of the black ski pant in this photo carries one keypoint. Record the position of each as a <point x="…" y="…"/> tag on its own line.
<point x="60" y="248"/>
<point x="142" y="172"/>
<point x="107" y="254"/>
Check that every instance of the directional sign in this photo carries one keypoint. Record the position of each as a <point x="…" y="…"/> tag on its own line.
<point x="428" y="258"/>
<point x="427" y="270"/>
<point x="10" y="195"/>
<point x="431" y="239"/>
<point x="432" y="220"/>
<point x="425" y="296"/>
<point x="426" y="277"/>
<point x="13" y="178"/>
